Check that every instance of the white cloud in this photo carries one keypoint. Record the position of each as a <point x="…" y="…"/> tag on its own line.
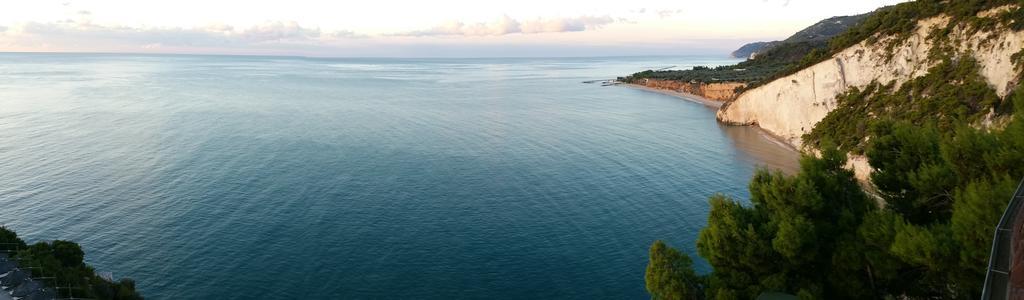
<point x="218" y="28"/>
<point x="279" y="31"/>
<point x="333" y="28"/>
<point x="668" y="13"/>
<point x="507" y="25"/>
<point x="346" y="34"/>
<point x="566" y="24"/>
<point x="148" y="37"/>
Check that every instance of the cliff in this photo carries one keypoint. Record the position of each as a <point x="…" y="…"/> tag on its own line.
<point x="723" y="91"/>
<point x="791" y="106"/>
<point x="766" y="59"/>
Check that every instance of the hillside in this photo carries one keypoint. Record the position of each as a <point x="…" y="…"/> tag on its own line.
<point x="925" y="97"/>
<point x="791" y="106"/>
<point x="817" y="34"/>
<point x="748" y="50"/>
<point x="772" y="58"/>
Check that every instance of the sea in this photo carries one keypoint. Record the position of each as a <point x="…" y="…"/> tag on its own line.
<point x="247" y="177"/>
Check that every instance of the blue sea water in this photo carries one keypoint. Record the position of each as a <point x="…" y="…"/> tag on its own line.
<point x="220" y="177"/>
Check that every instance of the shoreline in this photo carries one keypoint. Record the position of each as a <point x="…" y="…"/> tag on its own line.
<point x="762" y="154"/>
<point x="715" y="104"/>
<point x="677" y="94"/>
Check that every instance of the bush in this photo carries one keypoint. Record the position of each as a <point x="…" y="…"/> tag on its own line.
<point x="63" y="260"/>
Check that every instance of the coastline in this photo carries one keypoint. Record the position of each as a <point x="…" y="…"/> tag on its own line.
<point x="678" y="94"/>
<point x="715" y="104"/>
<point x="771" y="150"/>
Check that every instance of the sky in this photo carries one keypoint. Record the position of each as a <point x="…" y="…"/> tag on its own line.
<point x="390" y="28"/>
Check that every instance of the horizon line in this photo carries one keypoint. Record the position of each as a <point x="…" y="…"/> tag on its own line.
<point x="726" y="56"/>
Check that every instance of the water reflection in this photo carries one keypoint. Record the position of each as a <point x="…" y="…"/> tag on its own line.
<point x="754" y="144"/>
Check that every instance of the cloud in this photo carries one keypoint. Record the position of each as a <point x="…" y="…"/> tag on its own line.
<point x="507" y="25"/>
<point x="668" y="13"/>
<point x="346" y="34"/>
<point x="566" y="24"/>
<point x="662" y="13"/>
<point x="82" y="30"/>
<point x="279" y="31"/>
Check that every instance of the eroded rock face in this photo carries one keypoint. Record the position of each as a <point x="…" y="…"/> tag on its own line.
<point x="723" y="91"/>
<point x="791" y="106"/>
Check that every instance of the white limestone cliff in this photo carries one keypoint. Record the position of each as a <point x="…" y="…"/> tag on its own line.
<point x="791" y="106"/>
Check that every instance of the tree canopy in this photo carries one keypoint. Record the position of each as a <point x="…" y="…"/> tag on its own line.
<point x="62" y="262"/>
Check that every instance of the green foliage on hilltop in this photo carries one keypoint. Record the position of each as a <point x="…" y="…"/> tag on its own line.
<point x="900" y="20"/>
<point x="782" y="57"/>
<point x="64" y="261"/>
<point x="776" y="57"/>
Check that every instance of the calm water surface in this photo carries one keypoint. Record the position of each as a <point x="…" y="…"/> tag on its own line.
<point x="249" y="177"/>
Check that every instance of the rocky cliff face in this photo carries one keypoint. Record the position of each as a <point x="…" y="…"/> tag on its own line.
<point x="789" y="107"/>
<point x="723" y="91"/>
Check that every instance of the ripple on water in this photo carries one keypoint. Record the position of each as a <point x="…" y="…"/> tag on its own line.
<point x="241" y="177"/>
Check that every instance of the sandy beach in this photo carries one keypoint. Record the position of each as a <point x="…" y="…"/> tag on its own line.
<point x="759" y="145"/>
<point x="685" y="96"/>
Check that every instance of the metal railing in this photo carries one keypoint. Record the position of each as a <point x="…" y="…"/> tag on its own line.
<point x="997" y="277"/>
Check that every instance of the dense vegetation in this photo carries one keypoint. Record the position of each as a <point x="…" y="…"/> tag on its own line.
<point x="817" y="235"/>
<point x="952" y="93"/>
<point x="64" y="261"/>
<point x="947" y="154"/>
<point x="776" y="57"/>
<point x="900" y="21"/>
<point x="753" y="70"/>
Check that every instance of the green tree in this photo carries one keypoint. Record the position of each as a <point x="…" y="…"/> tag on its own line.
<point x="68" y="253"/>
<point x="788" y="240"/>
<point x="740" y="254"/>
<point x="910" y="172"/>
<point x="670" y="275"/>
<point x="976" y="212"/>
<point x="9" y="240"/>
